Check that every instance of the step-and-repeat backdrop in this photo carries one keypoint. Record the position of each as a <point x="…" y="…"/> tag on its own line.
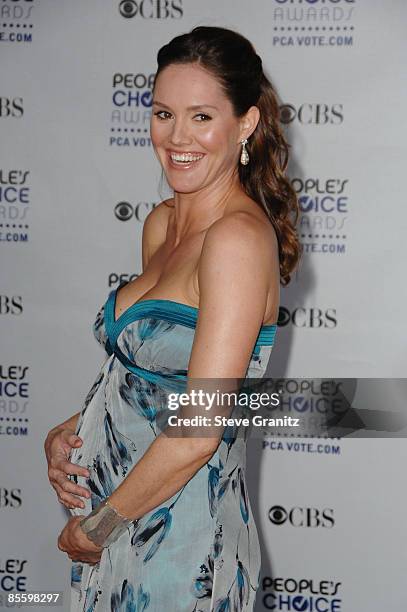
<point x="78" y="177"/>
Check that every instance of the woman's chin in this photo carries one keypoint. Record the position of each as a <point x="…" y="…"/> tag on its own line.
<point x="184" y="186"/>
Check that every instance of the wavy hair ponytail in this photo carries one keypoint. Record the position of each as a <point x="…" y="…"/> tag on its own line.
<point x="265" y="181"/>
<point x="232" y="59"/>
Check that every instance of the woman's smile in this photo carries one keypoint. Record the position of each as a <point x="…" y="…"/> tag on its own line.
<point x="184" y="160"/>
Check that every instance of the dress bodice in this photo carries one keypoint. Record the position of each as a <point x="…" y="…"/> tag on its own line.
<point x="154" y="337"/>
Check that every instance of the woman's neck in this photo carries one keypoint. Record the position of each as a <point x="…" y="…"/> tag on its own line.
<point x="194" y="212"/>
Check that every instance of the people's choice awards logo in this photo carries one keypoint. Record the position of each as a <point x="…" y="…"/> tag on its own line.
<point x="313" y="23"/>
<point x="324" y="214"/>
<point x="14" y="205"/>
<point x="115" y="278"/>
<point x="16" y="21"/>
<point x="13" y="577"/>
<point x="301" y="594"/>
<point x="14" y="399"/>
<point x="132" y="99"/>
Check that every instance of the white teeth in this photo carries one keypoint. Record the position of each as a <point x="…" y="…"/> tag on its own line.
<point x="185" y="157"/>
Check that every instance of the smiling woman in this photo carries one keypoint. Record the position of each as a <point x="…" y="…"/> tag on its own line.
<point x="168" y="522"/>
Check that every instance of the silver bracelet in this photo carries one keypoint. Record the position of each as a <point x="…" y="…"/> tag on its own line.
<point x="104" y="525"/>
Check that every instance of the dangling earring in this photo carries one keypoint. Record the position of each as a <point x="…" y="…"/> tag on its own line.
<point x="244" y="156"/>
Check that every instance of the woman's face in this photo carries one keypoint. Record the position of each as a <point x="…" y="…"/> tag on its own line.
<point x="193" y="129"/>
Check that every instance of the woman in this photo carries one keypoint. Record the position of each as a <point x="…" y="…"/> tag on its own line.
<point x="177" y="532"/>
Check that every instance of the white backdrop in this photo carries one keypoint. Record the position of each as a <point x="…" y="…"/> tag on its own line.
<point x="77" y="178"/>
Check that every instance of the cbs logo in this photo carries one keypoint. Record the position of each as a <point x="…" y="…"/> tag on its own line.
<point x="307" y="317"/>
<point x="124" y="211"/>
<point x="314" y="114"/>
<point x="151" y="9"/>
<point x="302" y="517"/>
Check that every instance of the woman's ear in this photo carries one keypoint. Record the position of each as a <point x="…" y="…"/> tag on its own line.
<point x="248" y="122"/>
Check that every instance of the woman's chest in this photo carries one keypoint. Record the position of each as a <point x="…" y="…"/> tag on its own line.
<point x="171" y="274"/>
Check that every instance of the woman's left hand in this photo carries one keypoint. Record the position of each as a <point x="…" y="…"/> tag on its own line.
<point x="76" y="543"/>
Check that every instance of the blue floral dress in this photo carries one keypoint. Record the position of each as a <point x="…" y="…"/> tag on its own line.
<point x="199" y="550"/>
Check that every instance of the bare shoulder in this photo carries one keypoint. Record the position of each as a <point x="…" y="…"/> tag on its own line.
<point x="157" y="218"/>
<point x="155" y="229"/>
<point x="246" y="232"/>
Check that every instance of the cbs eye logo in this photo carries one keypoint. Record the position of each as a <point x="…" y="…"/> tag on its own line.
<point x="123" y="211"/>
<point x="278" y="515"/>
<point x="128" y="8"/>
<point x="284" y="316"/>
<point x="287" y="113"/>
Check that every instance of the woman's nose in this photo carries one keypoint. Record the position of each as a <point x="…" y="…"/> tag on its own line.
<point x="180" y="133"/>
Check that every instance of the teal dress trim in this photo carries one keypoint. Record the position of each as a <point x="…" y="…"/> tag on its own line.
<point x="168" y="310"/>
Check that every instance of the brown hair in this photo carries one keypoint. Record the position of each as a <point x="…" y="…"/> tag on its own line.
<point x="232" y="59"/>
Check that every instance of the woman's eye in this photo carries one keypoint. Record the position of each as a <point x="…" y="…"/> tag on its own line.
<point x="203" y="117"/>
<point x="162" y="114"/>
